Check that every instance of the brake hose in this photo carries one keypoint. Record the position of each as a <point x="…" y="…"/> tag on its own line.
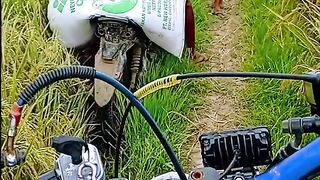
<point x="119" y="139"/>
<point x="173" y="80"/>
<point x="166" y="82"/>
<point x="308" y="78"/>
<point x="90" y="73"/>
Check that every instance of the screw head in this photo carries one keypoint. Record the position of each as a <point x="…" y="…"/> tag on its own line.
<point x="238" y="178"/>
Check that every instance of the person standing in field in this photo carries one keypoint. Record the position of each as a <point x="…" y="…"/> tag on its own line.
<point x="217" y="5"/>
<point x="191" y="34"/>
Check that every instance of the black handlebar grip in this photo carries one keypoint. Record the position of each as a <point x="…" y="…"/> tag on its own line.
<point x="302" y="125"/>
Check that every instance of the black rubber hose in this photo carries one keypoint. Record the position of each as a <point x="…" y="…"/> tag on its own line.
<point x="147" y="116"/>
<point x="307" y="78"/>
<point x="234" y="160"/>
<point x="119" y="140"/>
<point x="53" y="76"/>
<point x="89" y="73"/>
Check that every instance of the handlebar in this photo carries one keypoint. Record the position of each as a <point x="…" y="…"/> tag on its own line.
<point x="308" y="158"/>
<point x="14" y="157"/>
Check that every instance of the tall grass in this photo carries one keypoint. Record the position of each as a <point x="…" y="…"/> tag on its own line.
<point x="282" y="38"/>
<point x="58" y="110"/>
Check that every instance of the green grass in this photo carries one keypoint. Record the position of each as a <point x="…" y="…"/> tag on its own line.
<point x="279" y="42"/>
<point x="60" y="109"/>
<point x="147" y="157"/>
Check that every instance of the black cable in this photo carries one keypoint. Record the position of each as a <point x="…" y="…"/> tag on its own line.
<point x="119" y="139"/>
<point x="297" y="140"/>
<point x="120" y="133"/>
<point x="145" y="113"/>
<point x="234" y="160"/>
<point x="89" y="72"/>
<point x="308" y="78"/>
<point x="53" y="76"/>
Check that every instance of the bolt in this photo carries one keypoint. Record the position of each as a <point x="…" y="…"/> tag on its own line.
<point x="206" y="142"/>
<point x="238" y="178"/>
<point x="197" y="175"/>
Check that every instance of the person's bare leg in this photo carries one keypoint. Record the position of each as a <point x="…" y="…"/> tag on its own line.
<point x="221" y="4"/>
<point x="216" y="6"/>
<point x="196" y="56"/>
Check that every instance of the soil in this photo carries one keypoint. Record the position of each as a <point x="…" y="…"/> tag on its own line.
<point x="220" y="110"/>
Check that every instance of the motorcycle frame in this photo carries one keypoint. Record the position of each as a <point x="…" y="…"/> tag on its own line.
<point x="298" y="166"/>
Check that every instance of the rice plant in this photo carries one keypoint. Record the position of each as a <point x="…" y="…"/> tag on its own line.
<point x="57" y="110"/>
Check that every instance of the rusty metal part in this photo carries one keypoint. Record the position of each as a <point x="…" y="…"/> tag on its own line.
<point x="115" y="38"/>
<point x="103" y="92"/>
<point x="205" y="173"/>
<point x="197" y="175"/>
<point x="135" y="64"/>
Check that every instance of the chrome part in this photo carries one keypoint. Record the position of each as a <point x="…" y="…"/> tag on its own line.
<point x="90" y="168"/>
<point x="11" y="160"/>
<point x="87" y="171"/>
<point x="13" y="126"/>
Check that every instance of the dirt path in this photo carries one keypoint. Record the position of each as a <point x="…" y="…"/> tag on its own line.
<point x="220" y="109"/>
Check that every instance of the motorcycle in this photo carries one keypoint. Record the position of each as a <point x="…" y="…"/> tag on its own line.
<point x="228" y="155"/>
<point x="116" y="37"/>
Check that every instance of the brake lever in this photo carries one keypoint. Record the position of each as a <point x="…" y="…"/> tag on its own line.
<point x="71" y="146"/>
